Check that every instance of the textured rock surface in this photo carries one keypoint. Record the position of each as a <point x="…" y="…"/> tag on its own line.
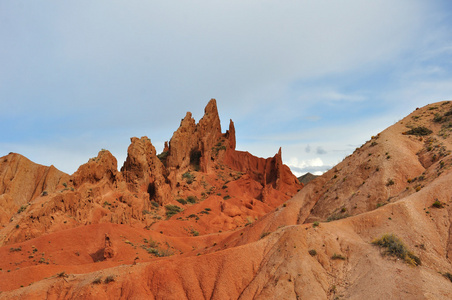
<point x="104" y="166"/>
<point x="144" y="172"/>
<point x="21" y="181"/>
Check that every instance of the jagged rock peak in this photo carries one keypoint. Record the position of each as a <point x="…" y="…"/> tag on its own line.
<point x="230" y="135"/>
<point x="187" y="122"/>
<point x="143" y="170"/>
<point x="210" y="122"/>
<point x="103" y="166"/>
<point x="193" y="141"/>
<point x="140" y="156"/>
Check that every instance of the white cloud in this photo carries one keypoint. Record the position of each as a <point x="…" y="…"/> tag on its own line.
<point x="295" y="162"/>
<point x="300" y="167"/>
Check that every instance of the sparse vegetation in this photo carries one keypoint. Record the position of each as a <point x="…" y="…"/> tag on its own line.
<point x="62" y="275"/>
<point x="171" y="210"/>
<point x="312" y="252"/>
<point x="151" y="243"/>
<point x="438" y="118"/>
<point x="154" y="248"/>
<point x="192" y="199"/>
<point x="336" y="216"/>
<point x="448" y="276"/>
<point x="395" y="247"/>
<point x="109" y="279"/>
<point x="437" y="204"/>
<point x="390" y="182"/>
<point x="22" y="208"/>
<point x="98" y="280"/>
<point x="338" y="256"/>
<point x="159" y="252"/>
<point x="419" y="131"/>
<point x="182" y="201"/>
<point x="381" y="204"/>
<point x="315" y="224"/>
<point x="188" y="177"/>
<point x="264" y="234"/>
<point x="162" y="156"/>
<point x="218" y="147"/>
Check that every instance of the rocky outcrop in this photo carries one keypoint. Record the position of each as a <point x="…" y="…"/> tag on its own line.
<point x="270" y="172"/>
<point x="104" y="166"/>
<point x="184" y="141"/>
<point x="209" y="128"/>
<point x="230" y="135"/>
<point x="144" y="172"/>
<point x="203" y="146"/>
<point x="192" y="144"/>
<point x="109" y="251"/>
<point x="21" y="181"/>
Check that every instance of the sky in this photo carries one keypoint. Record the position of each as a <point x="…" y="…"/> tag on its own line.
<point x="316" y="78"/>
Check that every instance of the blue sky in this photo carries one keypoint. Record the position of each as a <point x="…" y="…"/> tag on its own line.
<point x="317" y="78"/>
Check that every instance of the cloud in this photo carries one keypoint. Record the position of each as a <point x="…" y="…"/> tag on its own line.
<point x="316" y="170"/>
<point x="300" y="167"/>
<point x="320" y="150"/>
<point x="308" y="149"/>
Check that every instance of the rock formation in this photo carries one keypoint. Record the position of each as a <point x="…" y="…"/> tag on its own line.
<point x="144" y="172"/>
<point x="203" y="220"/>
<point x="21" y="181"/>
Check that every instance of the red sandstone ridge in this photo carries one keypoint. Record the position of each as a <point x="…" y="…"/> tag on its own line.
<point x="200" y="164"/>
